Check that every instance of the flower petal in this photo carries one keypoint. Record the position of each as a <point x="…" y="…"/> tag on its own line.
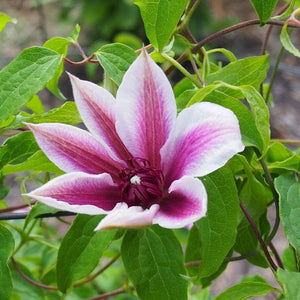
<point x="73" y="149"/>
<point x="185" y="204"/>
<point x="128" y="217"/>
<point x="97" y="109"/>
<point x="205" y="137"/>
<point x="79" y="192"/>
<point x="146" y="109"/>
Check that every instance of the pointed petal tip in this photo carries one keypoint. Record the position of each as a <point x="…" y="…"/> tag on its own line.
<point x="123" y="216"/>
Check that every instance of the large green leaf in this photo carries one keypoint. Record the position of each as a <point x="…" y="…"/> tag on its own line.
<point x="153" y="259"/>
<point x="27" y="74"/>
<point x="264" y="9"/>
<point x="247" y="71"/>
<point x="290" y="282"/>
<point x="160" y="18"/>
<point x="289" y="203"/>
<point x="6" y="250"/>
<point x="218" y="228"/>
<point x="17" y="149"/>
<point x="81" y="250"/>
<point x="245" y="290"/>
<point x="115" y="60"/>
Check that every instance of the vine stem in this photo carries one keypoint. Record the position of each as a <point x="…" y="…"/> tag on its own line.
<point x="257" y="234"/>
<point x="225" y="31"/>
<point x="181" y="69"/>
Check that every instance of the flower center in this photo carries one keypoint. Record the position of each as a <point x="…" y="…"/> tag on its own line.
<point x="141" y="185"/>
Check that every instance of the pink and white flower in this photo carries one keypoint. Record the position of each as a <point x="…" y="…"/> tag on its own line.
<point x="139" y="162"/>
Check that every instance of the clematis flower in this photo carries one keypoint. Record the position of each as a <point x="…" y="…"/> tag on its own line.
<point x="138" y="163"/>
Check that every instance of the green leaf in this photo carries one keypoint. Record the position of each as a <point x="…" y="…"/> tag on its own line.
<point x="27" y="74"/>
<point x="17" y="148"/>
<point x="287" y="12"/>
<point x="218" y="228"/>
<point x="66" y="113"/>
<point x="153" y="259"/>
<point x="246" y="71"/>
<point x="264" y="9"/>
<point x="286" y="41"/>
<point x="36" y="162"/>
<point x="279" y="158"/>
<point x="59" y="45"/>
<point x="289" y="204"/>
<point x="80" y="250"/>
<point x="35" y="105"/>
<point x="290" y="282"/>
<point x="4" y="19"/>
<point x="160" y="18"/>
<point x="39" y="209"/>
<point x="75" y="34"/>
<point x="6" y="250"/>
<point x="116" y="59"/>
<point x="246" y="290"/>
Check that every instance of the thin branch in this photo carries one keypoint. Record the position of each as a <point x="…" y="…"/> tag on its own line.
<point x="90" y="278"/>
<point x="276" y="255"/>
<point x="18" y="216"/>
<point x="257" y="234"/>
<point x="225" y="31"/>
<point x="12" y="208"/>
<point x="82" y="62"/>
<point x="29" y="279"/>
<point x="109" y="294"/>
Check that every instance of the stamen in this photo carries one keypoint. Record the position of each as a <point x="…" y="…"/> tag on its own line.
<point x="135" y="180"/>
<point x="141" y="185"/>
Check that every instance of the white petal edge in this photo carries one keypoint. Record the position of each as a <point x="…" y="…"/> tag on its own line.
<point x="193" y="189"/>
<point x="123" y="216"/>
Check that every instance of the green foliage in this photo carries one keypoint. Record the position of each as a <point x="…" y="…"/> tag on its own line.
<point x="221" y="220"/>
<point x="6" y="250"/>
<point x="264" y="9"/>
<point x="289" y="201"/>
<point x="160" y="18"/>
<point x="290" y="282"/>
<point x="26" y="75"/>
<point x="286" y="41"/>
<point x="153" y="260"/>
<point x="81" y="250"/>
<point x="4" y="19"/>
<point x="115" y="60"/>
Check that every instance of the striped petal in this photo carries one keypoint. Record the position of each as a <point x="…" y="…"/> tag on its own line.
<point x="97" y="109"/>
<point x="205" y="137"/>
<point x="79" y="192"/>
<point x="146" y="109"/>
<point x="73" y="149"/>
<point x="128" y="217"/>
<point x="185" y="204"/>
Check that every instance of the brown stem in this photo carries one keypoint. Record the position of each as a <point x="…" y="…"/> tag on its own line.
<point x="276" y="255"/>
<point x="12" y="208"/>
<point x="29" y="279"/>
<point x="90" y="278"/>
<point x="225" y="31"/>
<point x="257" y="234"/>
<point x="82" y="62"/>
<point x="109" y="294"/>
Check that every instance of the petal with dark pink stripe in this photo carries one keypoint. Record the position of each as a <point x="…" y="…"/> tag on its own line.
<point x="146" y="109"/>
<point x="185" y="203"/>
<point x="205" y="137"/>
<point x="97" y="109"/>
<point x="79" y="192"/>
<point x="73" y="149"/>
